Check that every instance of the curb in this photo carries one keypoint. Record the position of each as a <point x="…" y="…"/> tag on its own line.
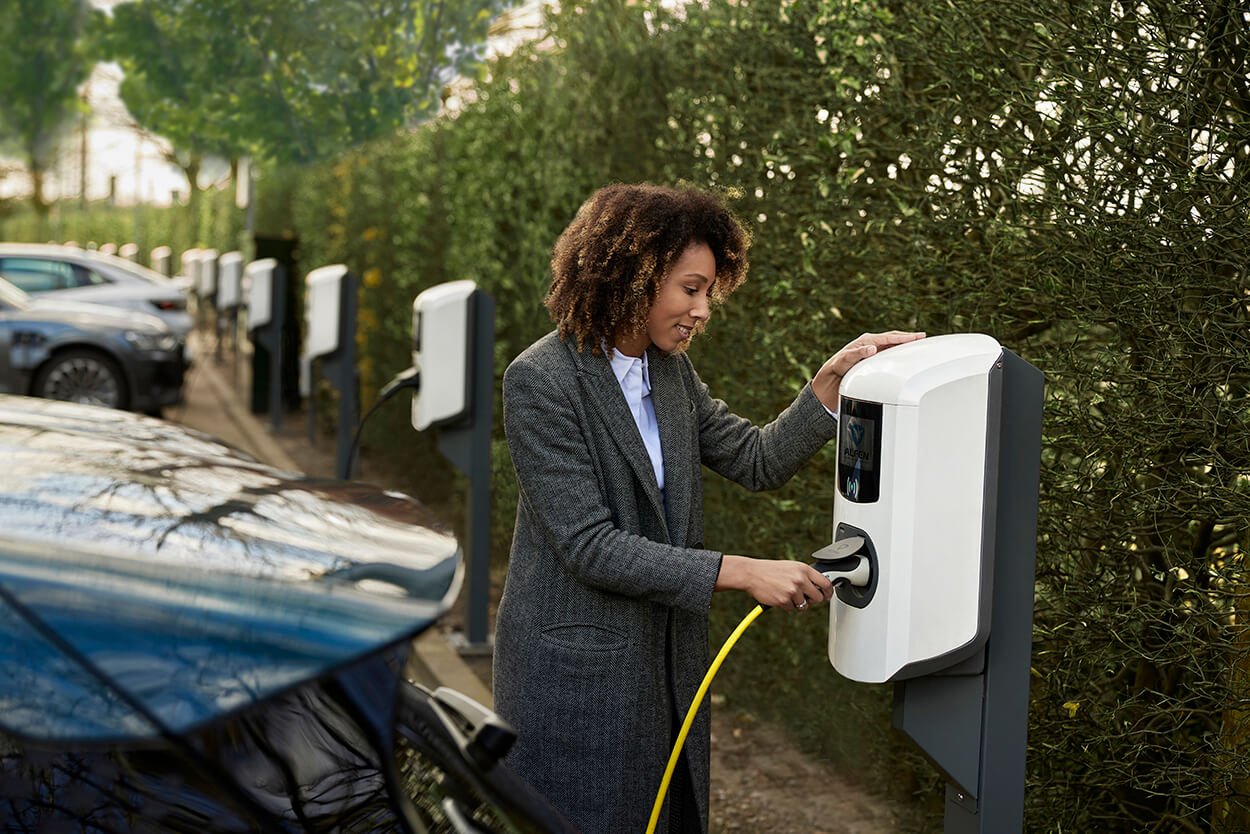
<point x="267" y="449"/>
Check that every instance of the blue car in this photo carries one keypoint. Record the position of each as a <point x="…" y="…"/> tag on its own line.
<point x="196" y="642"/>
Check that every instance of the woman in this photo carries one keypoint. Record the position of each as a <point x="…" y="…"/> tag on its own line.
<point x="601" y="636"/>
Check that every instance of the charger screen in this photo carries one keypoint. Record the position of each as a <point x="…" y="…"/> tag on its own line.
<point x="859" y="448"/>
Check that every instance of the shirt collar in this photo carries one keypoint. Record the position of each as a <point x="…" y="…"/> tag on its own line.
<point x="622" y="363"/>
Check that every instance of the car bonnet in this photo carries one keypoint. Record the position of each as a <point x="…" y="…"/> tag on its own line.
<point x="147" y="589"/>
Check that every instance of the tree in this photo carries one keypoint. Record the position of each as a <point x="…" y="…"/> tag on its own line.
<point x="289" y="80"/>
<point x="44" y="60"/>
<point x="173" y="67"/>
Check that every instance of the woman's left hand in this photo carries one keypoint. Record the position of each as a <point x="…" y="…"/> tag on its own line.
<point x="829" y="377"/>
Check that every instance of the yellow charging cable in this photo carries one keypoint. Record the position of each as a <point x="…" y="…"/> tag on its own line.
<point x="694" y="708"/>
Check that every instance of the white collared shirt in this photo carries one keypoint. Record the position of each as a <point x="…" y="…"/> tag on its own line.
<point x="635" y="380"/>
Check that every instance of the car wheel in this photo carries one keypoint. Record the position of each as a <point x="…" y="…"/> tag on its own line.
<point x="82" y="376"/>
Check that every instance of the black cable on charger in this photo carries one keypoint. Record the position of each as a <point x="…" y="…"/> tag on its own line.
<point x="410" y="378"/>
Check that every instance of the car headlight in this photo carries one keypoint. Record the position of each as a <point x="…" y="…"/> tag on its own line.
<point x="152" y="342"/>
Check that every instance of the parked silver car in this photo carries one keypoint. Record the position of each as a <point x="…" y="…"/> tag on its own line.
<point x="88" y="353"/>
<point x="73" y="274"/>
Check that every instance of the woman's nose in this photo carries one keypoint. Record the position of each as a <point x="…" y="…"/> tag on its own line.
<point x="702" y="309"/>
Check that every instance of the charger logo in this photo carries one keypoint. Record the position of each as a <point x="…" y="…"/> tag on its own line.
<point x="857" y="433"/>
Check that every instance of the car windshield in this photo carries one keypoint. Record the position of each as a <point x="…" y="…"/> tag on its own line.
<point x="11" y="296"/>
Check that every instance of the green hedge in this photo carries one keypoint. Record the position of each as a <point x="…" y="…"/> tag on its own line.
<point x="212" y="220"/>
<point x="1068" y="176"/>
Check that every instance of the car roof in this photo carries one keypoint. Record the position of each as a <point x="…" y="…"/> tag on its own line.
<point x="86" y="256"/>
<point x="153" y="579"/>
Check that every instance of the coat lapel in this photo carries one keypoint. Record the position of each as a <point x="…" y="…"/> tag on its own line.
<point x="672" y="411"/>
<point x="604" y="394"/>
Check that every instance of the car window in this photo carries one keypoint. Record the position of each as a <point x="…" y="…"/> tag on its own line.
<point x="90" y="277"/>
<point x="38" y="275"/>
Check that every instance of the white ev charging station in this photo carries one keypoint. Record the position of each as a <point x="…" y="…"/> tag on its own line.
<point x="265" y="290"/>
<point x="939" y="446"/>
<point x="442" y="323"/>
<point x="206" y="275"/>
<point x="190" y="260"/>
<point x="159" y="260"/>
<point x="453" y="352"/>
<point x="229" y="298"/>
<point x="330" y="336"/>
<point x="229" y="281"/>
<point x="204" y="282"/>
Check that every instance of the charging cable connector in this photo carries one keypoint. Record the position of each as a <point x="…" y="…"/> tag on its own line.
<point x="841" y="562"/>
<point x="851" y="570"/>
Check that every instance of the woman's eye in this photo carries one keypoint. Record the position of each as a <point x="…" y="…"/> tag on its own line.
<point x="691" y="290"/>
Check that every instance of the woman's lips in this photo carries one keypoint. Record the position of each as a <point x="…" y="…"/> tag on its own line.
<point x="685" y="332"/>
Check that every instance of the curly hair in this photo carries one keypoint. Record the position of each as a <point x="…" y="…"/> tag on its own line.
<point x="607" y="266"/>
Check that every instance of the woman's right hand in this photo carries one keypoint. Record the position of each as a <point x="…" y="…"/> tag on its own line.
<point x="777" y="583"/>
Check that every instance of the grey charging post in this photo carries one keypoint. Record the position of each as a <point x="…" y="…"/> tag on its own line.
<point x="266" y="310"/>
<point x="972" y="720"/>
<point x="229" y="298"/>
<point x="454" y="353"/>
<point x="330" y="341"/>
<point x="939" y="455"/>
<point x="206" y="286"/>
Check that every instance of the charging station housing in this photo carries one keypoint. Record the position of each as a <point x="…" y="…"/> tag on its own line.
<point x="913" y="480"/>
<point x="229" y="281"/>
<point x="442" y="328"/>
<point x="939" y="454"/>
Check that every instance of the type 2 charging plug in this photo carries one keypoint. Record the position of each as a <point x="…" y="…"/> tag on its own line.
<point x="841" y="562"/>
<point x="852" y="570"/>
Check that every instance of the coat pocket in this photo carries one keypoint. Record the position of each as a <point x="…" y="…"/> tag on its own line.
<point x="588" y="637"/>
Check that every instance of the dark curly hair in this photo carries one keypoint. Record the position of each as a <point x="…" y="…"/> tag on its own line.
<point x="607" y="266"/>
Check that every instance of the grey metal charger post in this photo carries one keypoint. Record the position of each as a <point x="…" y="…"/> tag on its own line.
<point x="228" y="300"/>
<point x="339" y="367"/>
<point x="972" y="720"/>
<point x="468" y="447"/>
<point x="330" y="336"/>
<point x="266" y="307"/>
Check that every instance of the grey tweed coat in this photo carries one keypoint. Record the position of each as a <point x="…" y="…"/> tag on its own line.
<point x="601" y="636"/>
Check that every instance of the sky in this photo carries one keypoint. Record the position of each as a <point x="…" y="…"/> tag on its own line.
<point x="117" y="152"/>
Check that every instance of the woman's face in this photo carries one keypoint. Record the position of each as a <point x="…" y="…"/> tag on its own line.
<point x="681" y="307"/>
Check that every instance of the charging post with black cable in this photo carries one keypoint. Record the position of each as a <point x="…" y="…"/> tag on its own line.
<point x="266" y="311"/>
<point x="330" y="342"/>
<point x="453" y="380"/>
<point x="458" y="313"/>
